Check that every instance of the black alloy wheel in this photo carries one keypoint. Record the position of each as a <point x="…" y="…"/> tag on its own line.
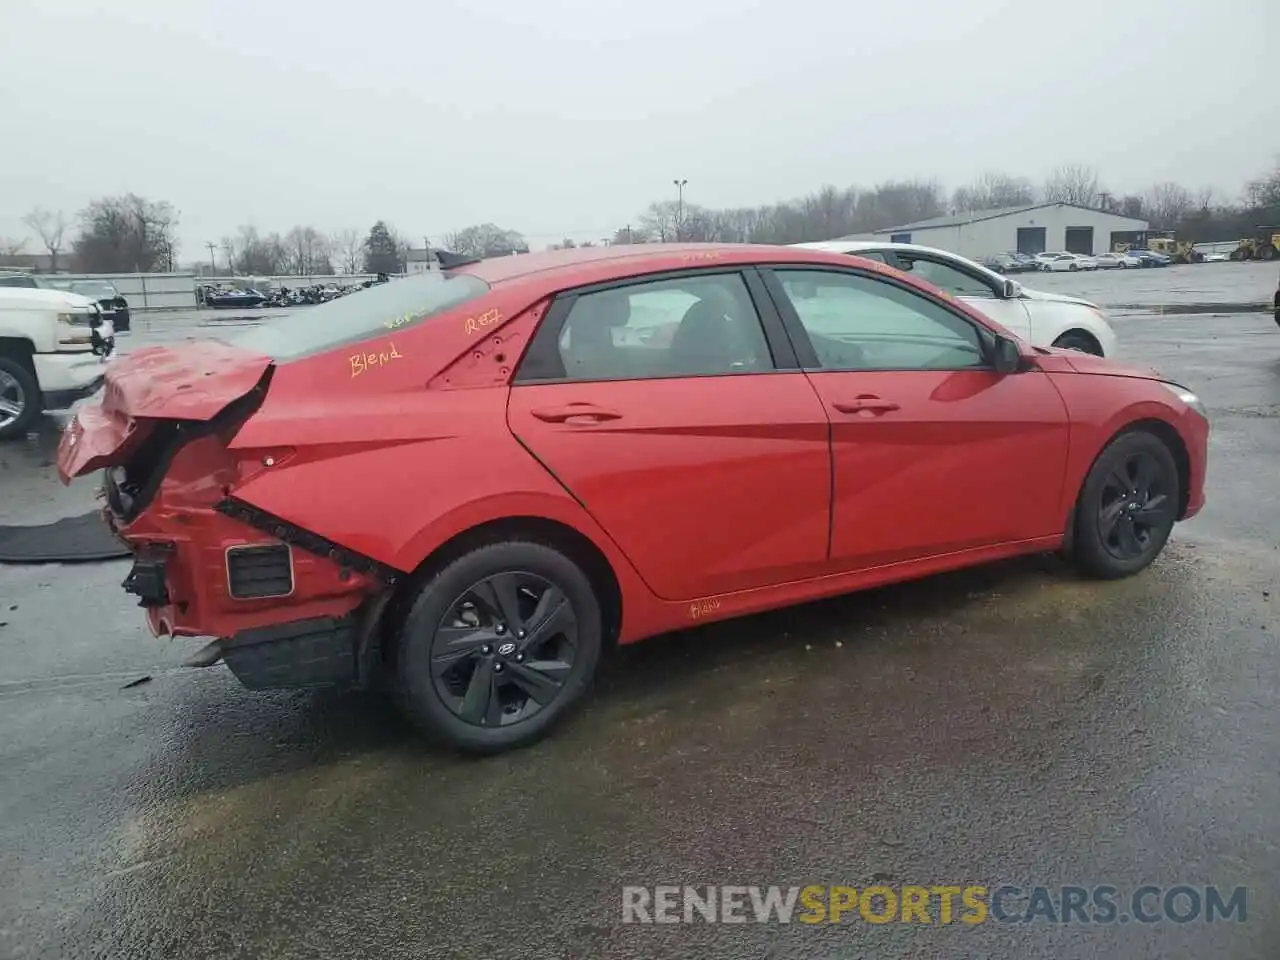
<point x="1134" y="507"/>
<point x="1127" y="507"/>
<point x="504" y="649"/>
<point x="498" y="646"/>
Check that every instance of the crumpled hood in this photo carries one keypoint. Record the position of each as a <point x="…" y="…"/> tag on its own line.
<point x="191" y="382"/>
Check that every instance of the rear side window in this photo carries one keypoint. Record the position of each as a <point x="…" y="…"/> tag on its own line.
<point x="691" y="326"/>
<point x="388" y="306"/>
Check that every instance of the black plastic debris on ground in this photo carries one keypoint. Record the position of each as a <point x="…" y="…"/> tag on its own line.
<point x="80" y="539"/>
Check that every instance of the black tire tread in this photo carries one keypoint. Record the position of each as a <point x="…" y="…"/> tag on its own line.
<point x="31" y="388"/>
<point x="1089" y="554"/>
<point x="423" y="708"/>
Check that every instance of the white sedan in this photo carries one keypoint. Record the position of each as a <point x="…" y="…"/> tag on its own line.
<point x="1042" y="319"/>
<point x="1117" y="261"/>
<point x="1063" y="262"/>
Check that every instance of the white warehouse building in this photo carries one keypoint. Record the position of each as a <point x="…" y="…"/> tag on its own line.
<point x="1032" y="229"/>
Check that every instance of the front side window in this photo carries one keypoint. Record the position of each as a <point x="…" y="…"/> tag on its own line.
<point x="945" y="276"/>
<point x="703" y="325"/>
<point x="862" y="323"/>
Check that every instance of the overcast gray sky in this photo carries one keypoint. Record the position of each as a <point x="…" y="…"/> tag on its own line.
<point x="560" y="118"/>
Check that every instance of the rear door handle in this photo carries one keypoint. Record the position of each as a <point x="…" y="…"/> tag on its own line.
<point x="576" y="411"/>
<point x="866" y="405"/>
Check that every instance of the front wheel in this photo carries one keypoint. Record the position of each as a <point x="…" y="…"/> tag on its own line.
<point x="20" y="399"/>
<point x="1127" y="507"/>
<point x="498" y="646"/>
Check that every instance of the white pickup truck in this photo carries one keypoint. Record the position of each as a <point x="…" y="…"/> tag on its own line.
<point x="53" y="351"/>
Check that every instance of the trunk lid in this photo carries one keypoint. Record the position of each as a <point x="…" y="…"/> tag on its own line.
<point x="190" y="382"/>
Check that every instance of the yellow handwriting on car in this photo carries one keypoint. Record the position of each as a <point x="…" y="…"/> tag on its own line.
<point x="398" y="322"/>
<point x="363" y="362"/>
<point x="486" y="319"/>
<point x="703" y="608"/>
<point x="708" y="255"/>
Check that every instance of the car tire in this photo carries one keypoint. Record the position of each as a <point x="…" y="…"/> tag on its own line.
<point x="18" y="383"/>
<point x="1073" y="268"/>
<point x="1080" y="342"/>
<point x="461" y="683"/>
<point x="1120" y="528"/>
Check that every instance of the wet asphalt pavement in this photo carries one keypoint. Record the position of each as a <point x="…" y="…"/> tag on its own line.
<point x="1006" y="725"/>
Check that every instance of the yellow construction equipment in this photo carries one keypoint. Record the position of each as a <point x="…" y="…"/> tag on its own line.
<point x="1263" y="245"/>
<point x="1179" y="251"/>
<point x="1120" y="247"/>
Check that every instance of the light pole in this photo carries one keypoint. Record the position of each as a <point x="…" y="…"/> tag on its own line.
<point x="213" y="266"/>
<point x="680" y="184"/>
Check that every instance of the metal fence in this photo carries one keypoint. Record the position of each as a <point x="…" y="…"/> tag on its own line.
<point x="144" y="291"/>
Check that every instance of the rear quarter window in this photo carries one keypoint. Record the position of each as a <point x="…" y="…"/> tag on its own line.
<point x="394" y="305"/>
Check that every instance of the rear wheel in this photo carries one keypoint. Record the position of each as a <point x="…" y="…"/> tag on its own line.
<point x="1127" y="507"/>
<point x="498" y="646"/>
<point x="19" y="397"/>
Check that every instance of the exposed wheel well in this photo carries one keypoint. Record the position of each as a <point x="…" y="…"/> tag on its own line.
<point x="1075" y="333"/>
<point x="19" y="349"/>
<point x="552" y="533"/>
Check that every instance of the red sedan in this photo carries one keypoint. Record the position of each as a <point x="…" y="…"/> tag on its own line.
<point x="474" y="481"/>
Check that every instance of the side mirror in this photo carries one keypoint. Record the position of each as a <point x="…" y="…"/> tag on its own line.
<point x="1008" y="356"/>
<point x="1011" y="290"/>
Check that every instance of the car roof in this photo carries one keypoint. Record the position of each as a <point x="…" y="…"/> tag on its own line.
<point x="585" y="265"/>
<point x="853" y="246"/>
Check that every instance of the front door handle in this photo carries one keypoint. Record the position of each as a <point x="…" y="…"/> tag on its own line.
<point x="587" y="412"/>
<point x="866" y="404"/>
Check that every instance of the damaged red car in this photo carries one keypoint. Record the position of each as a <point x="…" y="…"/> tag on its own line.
<point x="473" y="482"/>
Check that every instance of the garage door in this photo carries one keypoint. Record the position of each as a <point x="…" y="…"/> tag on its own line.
<point x="1080" y="240"/>
<point x="1031" y="240"/>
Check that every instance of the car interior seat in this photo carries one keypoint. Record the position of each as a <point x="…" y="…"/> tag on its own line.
<point x="709" y="340"/>
<point x="592" y="353"/>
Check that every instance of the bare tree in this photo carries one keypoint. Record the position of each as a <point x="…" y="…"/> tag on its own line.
<point x="660" y="220"/>
<point x="1265" y="191"/>
<point x="348" y="247"/>
<point x="11" y="247"/>
<point x="629" y="234"/>
<point x="49" y="227"/>
<point x="993" y="190"/>
<point x="486" y="240"/>
<point x="127" y="234"/>
<point x="1074" y="183"/>
<point x="1167" y="204"/>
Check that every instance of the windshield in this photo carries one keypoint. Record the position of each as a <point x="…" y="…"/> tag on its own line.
<point x="358" y="316"/>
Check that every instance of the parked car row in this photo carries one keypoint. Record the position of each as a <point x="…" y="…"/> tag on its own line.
<point x="1061" y="261"/>
<point x="227" y="296"/>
